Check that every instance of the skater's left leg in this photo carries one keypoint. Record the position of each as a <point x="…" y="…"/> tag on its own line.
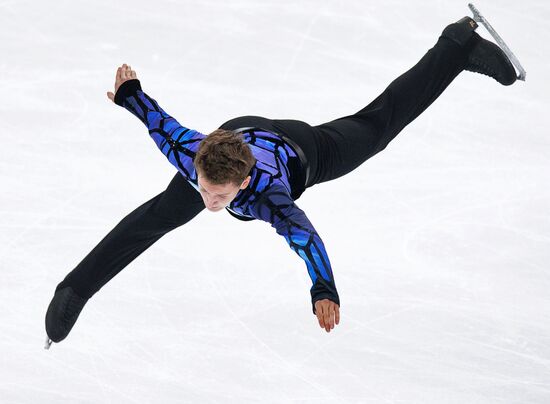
<point x="351" y="140"/>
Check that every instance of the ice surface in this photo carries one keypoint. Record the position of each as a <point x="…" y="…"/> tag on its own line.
<point x="440" y="245"/>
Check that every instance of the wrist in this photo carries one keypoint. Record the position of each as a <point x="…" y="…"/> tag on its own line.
<point x="126" y="89"/>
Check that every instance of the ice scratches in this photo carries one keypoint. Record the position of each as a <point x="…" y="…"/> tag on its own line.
<point x="294" y="370"/>
<point x="436" y="222"/>
<point x="60" y="207"/>
<point x="300" y="46"/>
<point x="106" y="389"/>
<point x="537" y="360"/>
<point x="322" y="348"/>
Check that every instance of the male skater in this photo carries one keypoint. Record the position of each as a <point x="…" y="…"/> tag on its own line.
<point x="256" y="168"/>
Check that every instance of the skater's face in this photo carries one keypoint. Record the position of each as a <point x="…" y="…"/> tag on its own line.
<point x="217" y="197"/>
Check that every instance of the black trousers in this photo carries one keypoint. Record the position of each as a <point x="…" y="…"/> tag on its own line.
<point x="332" y="149"/>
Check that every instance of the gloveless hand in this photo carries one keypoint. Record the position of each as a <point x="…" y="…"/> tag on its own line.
<point x="123" y="73"/>
<point x="328" y="313"/>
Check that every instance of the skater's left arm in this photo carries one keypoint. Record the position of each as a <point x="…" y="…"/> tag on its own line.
<point x="276" y="206"/>
<point x="178" y="143"/>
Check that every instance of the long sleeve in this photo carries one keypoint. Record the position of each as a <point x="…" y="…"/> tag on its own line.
<point x="277" y="207"/>
<point x="178" y="143"/>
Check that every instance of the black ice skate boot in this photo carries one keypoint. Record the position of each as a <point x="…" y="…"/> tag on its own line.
<point x="484" y="56"/>
<point x="62" y="313"/>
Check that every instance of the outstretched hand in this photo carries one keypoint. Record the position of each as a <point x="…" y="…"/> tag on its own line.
<point x="328" y="313"/>
<point x="123" y="73"/>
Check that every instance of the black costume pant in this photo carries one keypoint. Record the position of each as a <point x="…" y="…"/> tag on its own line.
<point x="332" y="150"/>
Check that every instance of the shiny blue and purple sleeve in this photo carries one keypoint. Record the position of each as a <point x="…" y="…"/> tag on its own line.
<point x="278" y="208"/>
<point x="178" y="143"/>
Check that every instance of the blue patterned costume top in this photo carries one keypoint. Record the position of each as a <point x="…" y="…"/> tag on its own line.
<point x="268" y="195"/>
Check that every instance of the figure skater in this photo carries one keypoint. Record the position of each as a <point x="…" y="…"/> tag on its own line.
<point x="256" y="168"/>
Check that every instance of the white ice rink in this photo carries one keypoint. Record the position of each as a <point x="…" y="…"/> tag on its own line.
<point x="440" y="245"/>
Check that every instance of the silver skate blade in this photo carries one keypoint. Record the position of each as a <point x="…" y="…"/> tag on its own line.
<point x="481" y="19"/>
<point x="48" y="343"/>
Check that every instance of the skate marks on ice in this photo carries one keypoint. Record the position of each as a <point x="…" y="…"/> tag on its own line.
<point x="288" y="367"/>
<point x="300" y="369"/>
<point x="479" y="262"/>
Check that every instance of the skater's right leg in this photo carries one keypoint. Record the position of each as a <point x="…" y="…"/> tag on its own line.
<point x="175" y="206"/>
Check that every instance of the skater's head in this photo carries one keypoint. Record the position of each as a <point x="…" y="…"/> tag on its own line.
<point x="223" y="163"/>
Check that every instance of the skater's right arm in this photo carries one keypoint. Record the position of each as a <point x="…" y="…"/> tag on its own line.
<point x="178" y="143"/>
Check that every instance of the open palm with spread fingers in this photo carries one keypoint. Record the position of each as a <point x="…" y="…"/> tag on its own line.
<point x="123" y="73"/>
